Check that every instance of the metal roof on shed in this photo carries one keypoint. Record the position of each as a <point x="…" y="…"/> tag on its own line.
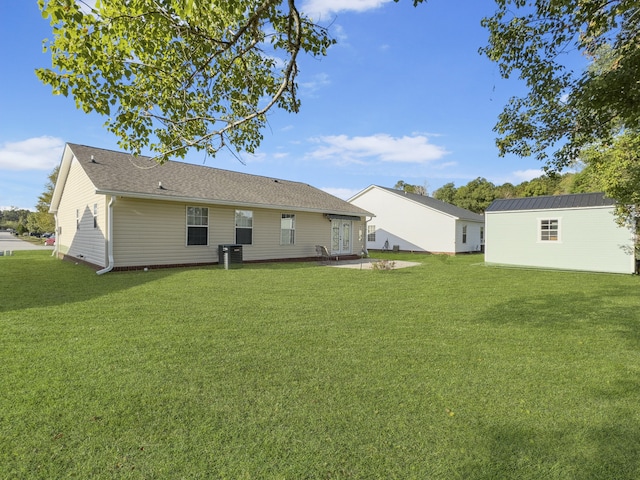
<point x="577" y="200"/>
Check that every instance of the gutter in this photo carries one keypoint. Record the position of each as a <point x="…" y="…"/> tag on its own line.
<point x="56" y="247"/>
<point x="111" y="263"/>
<point x="365" y="248"/>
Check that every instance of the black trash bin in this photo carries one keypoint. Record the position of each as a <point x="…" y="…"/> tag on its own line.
<point x="230" y="256"/>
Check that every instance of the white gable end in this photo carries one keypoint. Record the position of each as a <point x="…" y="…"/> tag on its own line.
<point x="413" y="226"/>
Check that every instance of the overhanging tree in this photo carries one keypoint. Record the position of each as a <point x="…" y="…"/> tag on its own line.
<point x="616" y="168"/>
<point x="566" y="110"/>
<point x="172" y="75"/>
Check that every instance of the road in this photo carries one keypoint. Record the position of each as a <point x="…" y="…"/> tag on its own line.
<point x="11" y="242"/>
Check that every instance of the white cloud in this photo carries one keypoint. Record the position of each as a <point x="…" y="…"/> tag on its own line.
<point x="382" y="147"/>
<point x="317" y="9"/>
<point x="343" y="193"/>
<point x="339" y="33"/>
<point x="39" y="153"/>
<point x="316" y="82"/>
<point x="446" y="165"/>
<point x="248" y="158"/>
<point x="526" y="175"/>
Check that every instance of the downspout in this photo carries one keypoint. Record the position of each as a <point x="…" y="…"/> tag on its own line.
<point x="56" y="249"/>
<point x="365" y="248"/>
<point x="110" y="265"/>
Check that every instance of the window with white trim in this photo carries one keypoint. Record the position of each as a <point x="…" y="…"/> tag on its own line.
<point x="244" y="227"/>
<point x="464" y="234"/>
<point x="549" y="230"/>
<point x="197" y="226"/>
<point x="95" y="215"/>
<point x="287" y="229"/>
<point x="371" y="233"/>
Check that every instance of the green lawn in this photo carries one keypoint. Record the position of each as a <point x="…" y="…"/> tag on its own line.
<point x="447" y="370"/>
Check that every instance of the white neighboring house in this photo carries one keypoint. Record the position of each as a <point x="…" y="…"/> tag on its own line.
<point x="418" y="223"/>
<point x="568" y="232"/>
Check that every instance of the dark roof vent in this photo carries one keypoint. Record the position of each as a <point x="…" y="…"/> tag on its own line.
<point x="93" y="160"/>
<point x="160" y="186"/>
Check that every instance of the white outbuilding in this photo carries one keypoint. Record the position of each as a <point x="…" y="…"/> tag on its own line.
<point x="567" y="232"/>
<point x="418" y="223"/>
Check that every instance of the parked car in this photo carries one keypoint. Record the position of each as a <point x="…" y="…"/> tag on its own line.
<point x="50" y="241"/>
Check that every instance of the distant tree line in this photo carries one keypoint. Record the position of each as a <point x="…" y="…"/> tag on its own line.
<point x="14" y="218"/>
<point x="25" y="221"/>
<point x="478" y="194"/>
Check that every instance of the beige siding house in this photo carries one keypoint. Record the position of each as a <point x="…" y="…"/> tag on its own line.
<point x="118" y="212"/>
<point x="568" y="232"/>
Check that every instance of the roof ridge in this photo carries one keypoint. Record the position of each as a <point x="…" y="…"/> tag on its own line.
<point x="447" y="206"/>
<point x="115" y="172"/>
<point x="178" y="162"/>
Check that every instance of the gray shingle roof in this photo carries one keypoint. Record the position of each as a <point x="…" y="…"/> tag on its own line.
<point x="461" y="213"/>
<point x="120" y="173"/>
<point x="577" y="200"/>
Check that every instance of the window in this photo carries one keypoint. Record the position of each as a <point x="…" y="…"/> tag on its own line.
<point x="95" y="215"/>
<point x="549" y="230"/>
<point x="287" y="229"/>
<point x="244" y="227"/>
<point x="371" y="233"/>
<point x="77" y="219"/>
<point x="197" y="226"/>
<point x="481" y="234"/>
<point x="464" y="234"/>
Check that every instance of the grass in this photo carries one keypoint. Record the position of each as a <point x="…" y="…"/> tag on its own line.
<point x="445" y="370"/>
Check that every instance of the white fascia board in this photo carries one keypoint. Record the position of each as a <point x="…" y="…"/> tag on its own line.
<point x="362" y="192"/>
<point x="63" y="174"/>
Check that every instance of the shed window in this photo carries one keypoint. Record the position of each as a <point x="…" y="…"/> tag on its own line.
<point x="244" y="227"/>
<point x="549" y="230"/>
<point x="197" y="226"/>
<point x="464" y="234"/>
<point x="287" y="229"/>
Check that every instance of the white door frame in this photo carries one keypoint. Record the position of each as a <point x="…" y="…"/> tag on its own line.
<point x="341" y="236"/>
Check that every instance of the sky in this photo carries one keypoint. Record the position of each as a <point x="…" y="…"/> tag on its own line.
<point x="403" y="96"/>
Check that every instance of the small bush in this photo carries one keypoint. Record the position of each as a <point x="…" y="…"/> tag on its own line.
<point x="383" y="265"/>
